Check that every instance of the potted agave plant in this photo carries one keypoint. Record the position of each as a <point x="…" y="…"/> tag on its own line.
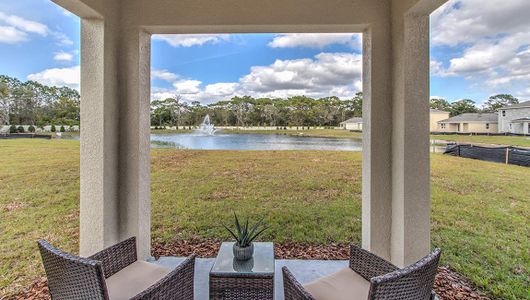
<point x="243" y="247"/>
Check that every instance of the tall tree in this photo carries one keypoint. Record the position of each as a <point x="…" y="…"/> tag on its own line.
<point x="497" y="101"/>
<point x="441" y="104"/>
<point x="463" y="106"/>
<point x="4" y="104"/>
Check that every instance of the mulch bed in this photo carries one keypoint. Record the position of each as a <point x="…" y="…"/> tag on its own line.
<point x="449" y="285"/>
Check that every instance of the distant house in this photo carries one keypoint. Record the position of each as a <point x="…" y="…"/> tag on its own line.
<point x="471" y="123"/>
<point x="436" y="115"/>
<point x="515" y="118"/>
<point x="352" y="124"/>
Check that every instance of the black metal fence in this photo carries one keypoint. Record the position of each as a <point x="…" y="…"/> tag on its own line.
<point x="25" y="136"/>
<point x="504" y="154"/>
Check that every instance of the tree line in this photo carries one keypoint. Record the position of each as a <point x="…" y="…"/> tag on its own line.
<point x="249" y="111"/>
<point x="491" y="105"/>
<point x="31" y="103"/>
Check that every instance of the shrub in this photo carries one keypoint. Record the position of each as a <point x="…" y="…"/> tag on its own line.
<point x="12" y="129"/>
<point x="53" y="129"/>
<point x="20" y="129"/>
<point x="31" y="128"/>
<point x="62" y="129"/>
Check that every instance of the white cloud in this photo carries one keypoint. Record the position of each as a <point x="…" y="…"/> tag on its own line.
<point x="308" y="76"/>
<point x="164" y="75"/>
<point x="437" y="69"/>
<point x="327" y="74"/>
<point x="63" y="56"/>
<point x="69" y="77"/>
<point x="161" y="93"/>
<point x="314" y="40"/>
<point x="491" y="42"/>
<point x="15" y="29"/>
<point x="466" y="21"/>
<point x="486" y="55"/>
<point x="189" y="40"/>
<point x="62" y="39"/>
<point x="186" y="87"/>
<point x="221" y="89"/>
<point x="24" y="24"/>
<point x="11" y="35"/>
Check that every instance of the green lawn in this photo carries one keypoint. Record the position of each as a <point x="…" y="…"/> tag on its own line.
<point x="480" y="210"/>
<point x="523" y="141"/>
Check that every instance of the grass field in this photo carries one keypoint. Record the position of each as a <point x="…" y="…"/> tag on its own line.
<point x="480" y="210"/>
<point x="523" y="141"/>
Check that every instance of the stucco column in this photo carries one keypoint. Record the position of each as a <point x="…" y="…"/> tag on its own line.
<point x="99" y="206"/>
<point x="410" y="234"/>
<point x="134" y="158"/>
<point x="377" y="137"/>
<point x="115" y="158"/>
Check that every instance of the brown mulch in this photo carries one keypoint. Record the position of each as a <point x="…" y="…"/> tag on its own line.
<point x="452" y="286"/>
<point x="449" y="285"/>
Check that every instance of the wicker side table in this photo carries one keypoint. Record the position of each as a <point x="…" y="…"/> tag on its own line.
<point x="252" y="279"/>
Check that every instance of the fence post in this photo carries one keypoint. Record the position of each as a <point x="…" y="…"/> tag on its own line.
<point x="507" y="154"/>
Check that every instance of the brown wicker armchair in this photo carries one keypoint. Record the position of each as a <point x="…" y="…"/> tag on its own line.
<point x="114" y="273"/>
<point x="368" y="277"/>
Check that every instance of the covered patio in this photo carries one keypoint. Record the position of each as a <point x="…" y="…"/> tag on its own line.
<point x="115" y="87"/>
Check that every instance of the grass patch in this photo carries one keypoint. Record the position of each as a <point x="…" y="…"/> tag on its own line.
<point x="480" y="210"/>
<point x="336" y="133"/>
<point x="523" y="141"/>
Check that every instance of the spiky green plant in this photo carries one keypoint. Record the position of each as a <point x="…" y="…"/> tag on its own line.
<point x="243" y="235"/>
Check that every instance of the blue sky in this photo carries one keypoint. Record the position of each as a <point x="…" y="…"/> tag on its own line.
<point x="478" y="48"/>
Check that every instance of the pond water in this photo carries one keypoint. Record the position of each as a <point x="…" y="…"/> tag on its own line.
<point x="246" y="141"/>
<point x="227" y="141"/>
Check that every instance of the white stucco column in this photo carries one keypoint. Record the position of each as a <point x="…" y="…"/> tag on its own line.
<point x="135" y="89"/>
<point x="396" y="191"/>
<point x="99" y="203"/>
<point x="377" y="137"/>
<point x="410" y="235"/>
<point x="115" y="118"/>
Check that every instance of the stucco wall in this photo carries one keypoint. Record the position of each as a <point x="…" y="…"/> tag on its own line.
<point x="435" y="117"/>
<point x="469" y="127"/>
<point x="353" y="126"/>
<point x="512" y="114"/>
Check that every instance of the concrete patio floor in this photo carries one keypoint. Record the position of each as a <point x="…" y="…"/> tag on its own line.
<point x="304" y="270"/>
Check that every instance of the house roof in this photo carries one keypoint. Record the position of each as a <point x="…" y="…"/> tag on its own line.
<point x="353" y="120"/>
<point x="437" y="111"/>
<point x="521" y="120"/>
<point x="518" y="105"/>
<point x="472" y="118"/>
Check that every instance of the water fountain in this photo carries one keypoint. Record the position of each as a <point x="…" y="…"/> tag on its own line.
<point x="206" y="126"/>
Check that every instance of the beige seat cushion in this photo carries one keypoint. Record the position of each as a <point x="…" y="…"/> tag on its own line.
<point x="343" y="285"/>
<point x="133" y="279"/>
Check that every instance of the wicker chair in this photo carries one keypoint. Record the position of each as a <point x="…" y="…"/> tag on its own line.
<point x="114" y="273"/>
<point x="368" y="277"/>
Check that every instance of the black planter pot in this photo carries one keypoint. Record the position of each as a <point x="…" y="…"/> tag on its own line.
<point x="243" y="253"/>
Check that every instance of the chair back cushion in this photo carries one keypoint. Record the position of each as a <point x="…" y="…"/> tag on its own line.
<point x="414" y="282"/>
<point x="72" y="277"/>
